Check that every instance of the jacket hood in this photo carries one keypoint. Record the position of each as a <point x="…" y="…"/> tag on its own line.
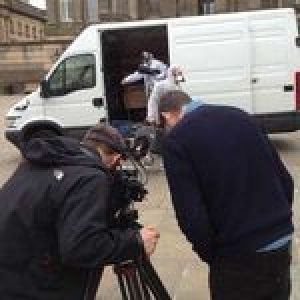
<point x="58" y="151"/>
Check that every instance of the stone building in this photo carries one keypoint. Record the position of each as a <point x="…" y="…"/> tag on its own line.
<point x="24" y="64"/>
<point x="70" y="16"/>
<point x="222" y="6"/>
<point x="25" y="53"/>
<point x="29" y="45"/>
<point x="101" y="10"/>
<point x="67" y="17"/>
<point x="20" y="21"/>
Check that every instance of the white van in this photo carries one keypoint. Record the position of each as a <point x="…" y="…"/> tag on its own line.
<point x="249" y="60"/>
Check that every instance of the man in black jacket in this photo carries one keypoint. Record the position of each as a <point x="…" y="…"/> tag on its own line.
<point x="232" y="196"/>
<point x="57" y="219"/>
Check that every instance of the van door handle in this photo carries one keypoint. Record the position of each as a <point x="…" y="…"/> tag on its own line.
<point x="288" y="88"/>
<point x="98" y="102"/>
<point x="254" y="80"/>
<point x="102" y="120"/>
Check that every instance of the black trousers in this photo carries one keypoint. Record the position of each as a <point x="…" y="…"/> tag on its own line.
<point x="258" y="276"/>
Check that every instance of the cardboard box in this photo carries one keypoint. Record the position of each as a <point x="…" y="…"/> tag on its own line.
<point x="135" y="97"/>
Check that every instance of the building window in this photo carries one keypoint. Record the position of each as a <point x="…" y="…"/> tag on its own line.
<point x="41" y="33"/>
<point x="12" y="27"/>
<point x="27" y="33"/>
<point x="92" y="10"/>
<point x="34" y="32"/>
<point x="66" y="11"/>
<point x="20" y="29"/>
<point x="208" y="7"/>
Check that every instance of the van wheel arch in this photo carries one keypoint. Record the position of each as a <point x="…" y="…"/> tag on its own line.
<point x="33" y="128"/>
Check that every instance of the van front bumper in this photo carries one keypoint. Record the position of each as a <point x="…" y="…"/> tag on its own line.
<point x="13" y="136"/>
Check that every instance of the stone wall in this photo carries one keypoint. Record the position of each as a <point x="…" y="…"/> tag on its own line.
<point x="23" y="65"/>
<point x="222" y="6"/>
<point x="20" y="22"/>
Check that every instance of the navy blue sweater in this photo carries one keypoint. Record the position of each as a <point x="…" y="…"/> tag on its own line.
<point x="230" y="190"/>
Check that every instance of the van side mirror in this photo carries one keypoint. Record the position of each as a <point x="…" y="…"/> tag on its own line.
<point x="45" y="92"/>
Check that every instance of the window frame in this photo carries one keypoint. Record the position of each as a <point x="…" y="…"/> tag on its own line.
<point x="27" y="31"/>
<point x="12" y="26"/>
<point x="34" y="32"/>
<point x="66" y="11"/>
<point x="20" y="28"/>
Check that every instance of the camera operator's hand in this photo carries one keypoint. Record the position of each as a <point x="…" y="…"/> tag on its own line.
<point x="150" y="238"/>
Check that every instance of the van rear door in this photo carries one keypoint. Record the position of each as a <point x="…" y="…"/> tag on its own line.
<point x="214" y="54"/>
<point x="273" y="61"/>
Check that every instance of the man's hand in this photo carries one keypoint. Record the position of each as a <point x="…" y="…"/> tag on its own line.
<point x="150" y="238"/>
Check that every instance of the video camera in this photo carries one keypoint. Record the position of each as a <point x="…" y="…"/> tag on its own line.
<point x="130" y="186"/>
<point x="129" y="182"/>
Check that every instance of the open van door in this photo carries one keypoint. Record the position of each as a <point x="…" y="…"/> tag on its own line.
<point x="75" y="94"/>
<point x="121" y="56"/>
<point x="214" y="54"/>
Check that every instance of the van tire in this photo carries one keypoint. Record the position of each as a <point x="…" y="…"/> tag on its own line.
<point x="38" y="130"/>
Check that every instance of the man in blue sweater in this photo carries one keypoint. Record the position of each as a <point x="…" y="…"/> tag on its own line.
<point x="232" y="196"/>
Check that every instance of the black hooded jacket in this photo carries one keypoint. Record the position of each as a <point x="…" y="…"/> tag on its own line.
<point x="56" y="224"/>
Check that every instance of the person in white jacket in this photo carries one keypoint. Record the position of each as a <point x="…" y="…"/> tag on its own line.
<point x="152" y="132"/>
<point x="151" y="70"/>
<point x="171" y="83"/>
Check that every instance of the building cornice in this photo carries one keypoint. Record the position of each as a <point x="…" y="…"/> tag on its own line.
<point x="24" y="9"/>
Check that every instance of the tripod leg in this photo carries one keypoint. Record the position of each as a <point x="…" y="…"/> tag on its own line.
<point x="92" y="288"/>
<point x="150" y="278"/>
<point x="143" y="287"/>
<point x="131" y="285"/>
<point x="122" y="285"/>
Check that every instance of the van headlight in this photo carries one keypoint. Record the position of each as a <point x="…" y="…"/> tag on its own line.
<point x="11" y="121"/>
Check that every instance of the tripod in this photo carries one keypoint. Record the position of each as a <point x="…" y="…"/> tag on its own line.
<point x="139" y="281"/>
<point x="137" y="278"/>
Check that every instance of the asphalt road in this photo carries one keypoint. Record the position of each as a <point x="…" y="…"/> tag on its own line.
<point x="181" y="271"/>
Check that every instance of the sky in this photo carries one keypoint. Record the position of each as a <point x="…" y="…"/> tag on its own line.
<point x="39" y="3"/>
